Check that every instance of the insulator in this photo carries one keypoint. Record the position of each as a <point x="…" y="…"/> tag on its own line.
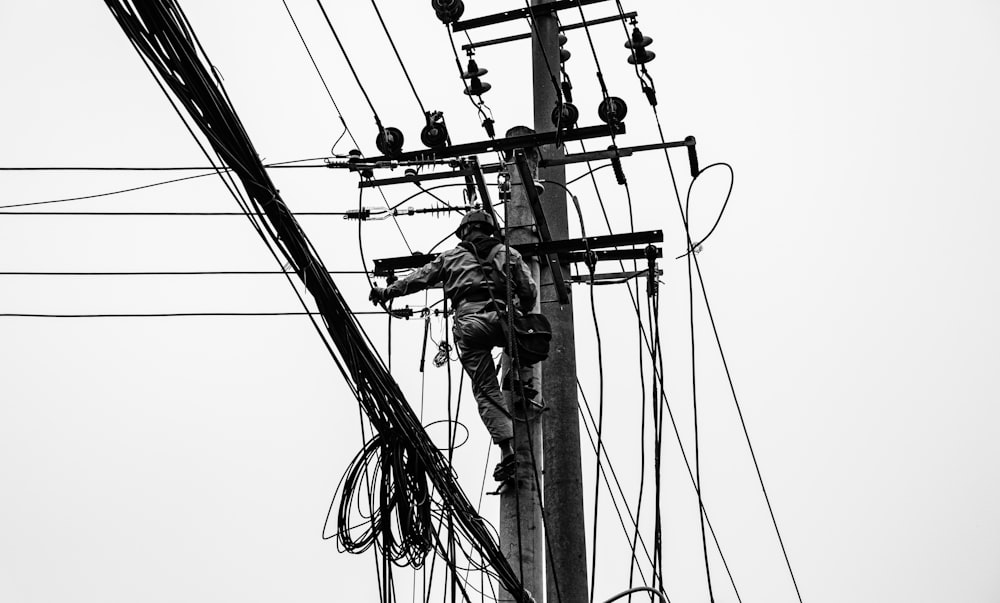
<point x="641" y="56"/>
<point x="637" y="44"/>
<point x="354" y="156"/>
<point x="638" y="40"/>
<point x="389" y="141"/>
<point x="564" y="54"/>
<point x="473" y="70"/>
<point x="612" y="110"/>
<point x="565" y="116"/>
<point x="616" y="165"/>
<point x="477" y="87"/>
<point x="448" y="11"/>
<point x="435" y="133"/>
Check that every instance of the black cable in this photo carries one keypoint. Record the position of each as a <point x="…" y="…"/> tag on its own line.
<point x="725" y="203"/>
<point x="108" y="194"/>
<point x="532" y="22"/>
<point x="398" y="57"/>
<point x="173" y="314"/>
<point x="746" y="433"/>
<point x="159" y="213"/>
<point x="633" y="520"/>
<point x="350" y="65"/>
<point x="280" y="165"/>
<point x="593" y="52"/>
<point x="694" y="402"/>
<point x="165" y="273"/>
<point x="162" y="34"/>
<point x="589" y="172"/>
<point x="336" y="107"/>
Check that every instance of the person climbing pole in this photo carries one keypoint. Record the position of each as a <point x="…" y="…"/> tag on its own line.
<point x="474" y="280"/>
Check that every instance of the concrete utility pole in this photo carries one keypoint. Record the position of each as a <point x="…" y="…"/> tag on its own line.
<point x="563" y="485"/>
<point x="521" y="533"/>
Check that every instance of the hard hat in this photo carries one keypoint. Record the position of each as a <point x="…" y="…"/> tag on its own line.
<point x="476" y="217"/>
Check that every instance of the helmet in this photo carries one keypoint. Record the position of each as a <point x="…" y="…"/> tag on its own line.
<point x="477" y="217"/>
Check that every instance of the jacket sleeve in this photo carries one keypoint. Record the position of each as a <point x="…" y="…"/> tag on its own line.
<point x="524" y="285"/>
<point x="426" y="276"/>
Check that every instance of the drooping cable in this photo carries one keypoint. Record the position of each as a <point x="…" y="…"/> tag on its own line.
<point x="161" y="32"/>
<point x="336" y="107"/>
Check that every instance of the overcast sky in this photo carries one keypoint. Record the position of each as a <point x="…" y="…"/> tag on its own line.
<point x="852" y="279"/>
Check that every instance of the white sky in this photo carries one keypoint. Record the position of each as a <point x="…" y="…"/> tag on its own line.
<point x="853" y="280"/>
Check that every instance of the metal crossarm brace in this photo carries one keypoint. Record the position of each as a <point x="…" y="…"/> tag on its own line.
<point x="570" y="27"/>
<point x="599" y="242"/>
<point x="564" y="248"/>
<point x="528" y="182"/>
<point x="414" y="178"/>
<point x="519" y="13"/>
<point x="614" y="153"/>
<point x="504" y="144"/>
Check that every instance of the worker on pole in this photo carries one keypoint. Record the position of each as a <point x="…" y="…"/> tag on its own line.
<point x="476" y="281"/>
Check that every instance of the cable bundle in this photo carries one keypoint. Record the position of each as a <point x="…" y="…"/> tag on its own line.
<point x="162" y="35"/>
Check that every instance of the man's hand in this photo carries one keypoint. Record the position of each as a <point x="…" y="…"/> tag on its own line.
<point x="377" y="295"/>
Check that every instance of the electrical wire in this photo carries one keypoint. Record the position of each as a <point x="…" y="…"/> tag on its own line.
<point x="378" y="122"/>
<point x="312" y="59"/>
<point x="350" y="65"/>
<point x="392" y="43"/>
<point x="171" y="314"/>
<point x="160" y="213"/>
<point x="164" y="273"/>
<point x="280" y="165"/>
<point x="107" y="194"/>
<point x="154" y="28"/>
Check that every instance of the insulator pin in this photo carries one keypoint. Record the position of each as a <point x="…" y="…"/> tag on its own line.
<point x="389" y="141"/>
<point x="435" y="133"/>
<point x="565" y="116"/>
<point x="612" y="110"/>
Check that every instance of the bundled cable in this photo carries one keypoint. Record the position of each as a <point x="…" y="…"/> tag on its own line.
<point x="410" y="464"/>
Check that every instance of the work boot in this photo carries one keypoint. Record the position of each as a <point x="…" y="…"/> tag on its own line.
<point x="505" y="469"/>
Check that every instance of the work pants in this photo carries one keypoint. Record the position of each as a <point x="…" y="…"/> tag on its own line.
<point x="476" y="335"/>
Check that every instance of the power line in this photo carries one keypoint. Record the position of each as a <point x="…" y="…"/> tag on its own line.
<point x="165" y="273"/>
<point x="340" y="115"/>
<point x="354" y="72"/>
<point x="107" y="194"/>
<point x="398" y="57"/>
<point x="95" y="168"/>
<point x="175" y="314"/>
<point x="158" y="213"/>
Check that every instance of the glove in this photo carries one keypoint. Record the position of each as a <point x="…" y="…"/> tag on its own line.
<point x="378" y="295"/>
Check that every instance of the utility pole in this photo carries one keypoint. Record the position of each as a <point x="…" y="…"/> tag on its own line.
<point x="563" y="483"/>
<point x="521" y="526"/>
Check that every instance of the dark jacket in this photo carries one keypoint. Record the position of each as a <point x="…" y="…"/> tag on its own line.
<point x="462" y="274"/>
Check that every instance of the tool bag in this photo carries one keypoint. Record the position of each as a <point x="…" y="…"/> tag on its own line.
<point x="532" y="335"/>
<point x="532" y="332"/>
